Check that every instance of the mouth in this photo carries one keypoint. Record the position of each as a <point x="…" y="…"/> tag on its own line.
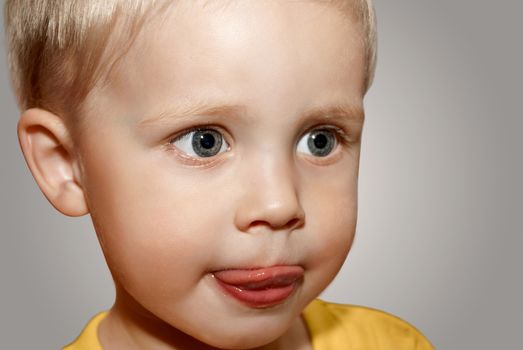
<point x="260" y="287"/>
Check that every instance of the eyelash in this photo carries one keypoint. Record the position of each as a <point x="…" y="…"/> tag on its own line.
<point x="341" y="135"/>
<point x="342" y="138"/>
<point x="189" y="159"/>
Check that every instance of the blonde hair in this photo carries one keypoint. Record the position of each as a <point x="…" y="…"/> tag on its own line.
<point x="56" y="46"/>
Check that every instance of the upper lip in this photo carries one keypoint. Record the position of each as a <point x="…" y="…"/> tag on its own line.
<point x="261" y="278"/>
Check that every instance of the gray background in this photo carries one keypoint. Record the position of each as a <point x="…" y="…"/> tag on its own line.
<point x="440" y="230"/>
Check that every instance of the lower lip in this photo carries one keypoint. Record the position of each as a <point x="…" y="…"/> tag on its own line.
<point x="259" y="298"/>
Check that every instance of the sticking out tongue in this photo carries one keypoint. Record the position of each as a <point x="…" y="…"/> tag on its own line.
<point x="259" y="279"/>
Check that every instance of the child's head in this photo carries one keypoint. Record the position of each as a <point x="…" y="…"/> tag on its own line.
<point x="202" y="137"/>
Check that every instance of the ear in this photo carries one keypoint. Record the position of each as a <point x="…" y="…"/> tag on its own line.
<point x="49" y="152"/>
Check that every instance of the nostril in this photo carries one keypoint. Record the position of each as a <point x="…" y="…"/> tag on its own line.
<point x="294" y="223"/>
<point x="290" y="225"/>
<point x="258" y="223"/>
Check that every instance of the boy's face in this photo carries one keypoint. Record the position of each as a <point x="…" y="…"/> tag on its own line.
<point x="261" y="78"/>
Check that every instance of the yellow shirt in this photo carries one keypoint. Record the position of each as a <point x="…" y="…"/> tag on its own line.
<point x="331" y="327"/>
<point x="347" y="327"/>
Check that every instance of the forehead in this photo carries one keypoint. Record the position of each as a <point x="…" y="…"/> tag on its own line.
<point x="233" y="49"/>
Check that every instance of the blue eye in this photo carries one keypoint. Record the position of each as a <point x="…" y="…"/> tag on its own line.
<point x="318" y="142"/>
<point x="202" y="143"/>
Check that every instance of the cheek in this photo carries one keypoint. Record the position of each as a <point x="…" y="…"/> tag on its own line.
<point x="148" y="220"/>
<point x="334" y="227"/>
<point x="332" y="224"/>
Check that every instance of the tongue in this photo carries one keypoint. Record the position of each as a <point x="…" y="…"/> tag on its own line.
<point x="264" y="278"/>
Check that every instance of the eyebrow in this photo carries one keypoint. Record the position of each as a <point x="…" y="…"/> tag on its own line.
<point x="180" y="113"/>
<point x="338" y="111"/>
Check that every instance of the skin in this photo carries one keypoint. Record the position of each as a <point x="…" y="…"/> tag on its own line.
<point x="255" y="72"/>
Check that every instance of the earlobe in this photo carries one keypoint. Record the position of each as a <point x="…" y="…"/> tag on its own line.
<point x="47" y="148"/>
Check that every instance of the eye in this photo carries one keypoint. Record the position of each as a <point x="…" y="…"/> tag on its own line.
<point x="318" y="142"/>
<point x="202" y="143"/>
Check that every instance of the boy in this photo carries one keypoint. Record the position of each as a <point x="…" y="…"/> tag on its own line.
<point x="215" y="145"/>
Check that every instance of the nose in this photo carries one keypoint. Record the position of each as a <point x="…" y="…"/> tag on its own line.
<point x="269" y="198"/>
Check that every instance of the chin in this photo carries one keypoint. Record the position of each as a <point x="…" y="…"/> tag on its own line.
<point x="243" y="337"/>
<point x="239" y="342"/>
